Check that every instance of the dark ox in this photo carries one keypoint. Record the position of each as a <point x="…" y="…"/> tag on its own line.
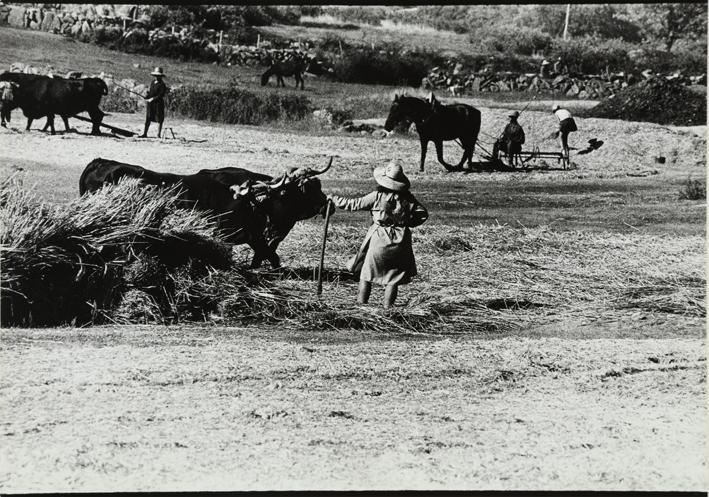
<point x="40" y="96"/>
<point x="251" y="208"/>
<point x="438" y="123"/>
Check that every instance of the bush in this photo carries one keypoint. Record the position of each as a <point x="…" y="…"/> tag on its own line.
<point x="592" y="55"/>
<point x="693" y="189"/>
<point x="388" y="65"/>
<point x="522" y="41"/>
<point x="236" y="106"/>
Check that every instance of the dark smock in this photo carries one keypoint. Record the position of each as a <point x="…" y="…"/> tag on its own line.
<point x="156" y="108"/>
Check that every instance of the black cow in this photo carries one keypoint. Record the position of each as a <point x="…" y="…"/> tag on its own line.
<point x="40" y="96"/>
<point x="260" y="212"/>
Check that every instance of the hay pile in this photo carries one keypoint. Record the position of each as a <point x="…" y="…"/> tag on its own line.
<point x="656" y="100"/>
<point x="129" y="254"/>
<point x="73" y="263"/>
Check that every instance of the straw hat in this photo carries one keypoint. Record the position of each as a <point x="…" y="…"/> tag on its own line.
<point x="555" y="107"/>
<point x="392" y="177"/>
<point x="157" y="72"/>
<point x="545" y="62"/>
<point x="513" y="114"/>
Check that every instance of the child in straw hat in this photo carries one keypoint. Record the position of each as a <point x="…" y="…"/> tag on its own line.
<point x="155" y="110"/>
<point x="386" y="256"/>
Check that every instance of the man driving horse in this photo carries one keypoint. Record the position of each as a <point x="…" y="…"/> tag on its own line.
<point x="511" y="140"/>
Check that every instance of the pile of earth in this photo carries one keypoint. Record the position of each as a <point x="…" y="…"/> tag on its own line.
<point x="656" y="100"/>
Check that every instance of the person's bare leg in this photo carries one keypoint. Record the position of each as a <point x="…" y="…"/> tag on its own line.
<point x="365" y="288"/>
<point x="145" y="131"/>
<point x="390" y="293"/>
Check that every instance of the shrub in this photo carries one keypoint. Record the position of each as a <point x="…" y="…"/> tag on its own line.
<point x="388" y="65"/>
<point x="693" y="189"/>
<point x="522" y="41"/>
<point x="233" y="105"/>
<point x="592" y="55"/>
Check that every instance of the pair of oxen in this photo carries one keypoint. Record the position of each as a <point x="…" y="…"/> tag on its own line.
<point x="250" y="208"/>
<point x="43" y="96"/>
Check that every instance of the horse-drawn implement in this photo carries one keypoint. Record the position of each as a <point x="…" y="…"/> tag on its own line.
<point x="523" y="158"/>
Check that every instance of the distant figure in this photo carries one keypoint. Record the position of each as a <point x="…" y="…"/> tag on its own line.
<point x="511" y="140"/>
<point x="155" y="110"/>
<point x="6" y="98"/>
<point x="560" y="67"/>
<point x="566" y="126"/>
<point x="544" y="69"/>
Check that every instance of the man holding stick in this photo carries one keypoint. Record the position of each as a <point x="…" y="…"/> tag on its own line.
<point x="155" y="110"/>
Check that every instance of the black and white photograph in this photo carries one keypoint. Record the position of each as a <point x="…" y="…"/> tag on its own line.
<point x="353" y="247"/>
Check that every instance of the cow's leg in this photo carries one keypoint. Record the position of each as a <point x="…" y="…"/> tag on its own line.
<point x="263" y="251"/>
<point x="96" y="118"/>
<point x="50" y="121"/>
<point x="424" y="147"/>
<point x="29" y="123"/>
<point x="66" y="124"/>
<point x="439" y="154"/>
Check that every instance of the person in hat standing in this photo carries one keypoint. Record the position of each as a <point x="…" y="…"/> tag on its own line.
<point x="511" y="140"/>
<point x="566" y="126"/>
<point x="155" y="110"/>
<point x="544" y="69"/>
<point x="386" y="256"/>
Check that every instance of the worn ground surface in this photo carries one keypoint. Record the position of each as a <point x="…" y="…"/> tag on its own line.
<point x="602" y="387"/>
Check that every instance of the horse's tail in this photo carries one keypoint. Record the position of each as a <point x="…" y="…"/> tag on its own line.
<point x="476" y="121"/>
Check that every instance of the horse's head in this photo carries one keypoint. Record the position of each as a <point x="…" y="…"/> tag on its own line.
<point x="405" y="109"/>
<point x="398" y="113"/>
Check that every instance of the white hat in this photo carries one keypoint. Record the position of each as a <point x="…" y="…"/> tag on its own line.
<point x="555" y="107"/>
<point x="392" y="177"/>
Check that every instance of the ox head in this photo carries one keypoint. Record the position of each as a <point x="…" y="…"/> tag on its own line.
<point x="297" y="194"/>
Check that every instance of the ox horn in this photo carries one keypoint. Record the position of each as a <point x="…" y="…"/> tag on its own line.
<point x="278" y="184"/>
<point x="329" y="165"/>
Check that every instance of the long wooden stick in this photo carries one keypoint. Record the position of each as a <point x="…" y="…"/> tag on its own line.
<point x="118" y="131"/>
<point x="322" y="251"/>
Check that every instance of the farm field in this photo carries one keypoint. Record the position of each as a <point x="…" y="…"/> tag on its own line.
<point x="585" y="368"/>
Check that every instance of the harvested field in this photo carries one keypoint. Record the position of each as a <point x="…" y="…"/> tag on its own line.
<point x="554" y="338"/>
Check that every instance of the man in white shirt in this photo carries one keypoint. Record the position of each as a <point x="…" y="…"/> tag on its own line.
<point x="566" y="126"/>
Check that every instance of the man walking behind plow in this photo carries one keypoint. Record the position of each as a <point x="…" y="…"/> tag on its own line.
<point x="386" y="256"/>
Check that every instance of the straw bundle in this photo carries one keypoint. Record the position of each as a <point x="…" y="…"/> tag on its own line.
<point x="64" y="264"/>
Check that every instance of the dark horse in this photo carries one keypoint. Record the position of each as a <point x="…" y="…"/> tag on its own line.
<point x="291" y="67"/>
<point x="438" y="123"/>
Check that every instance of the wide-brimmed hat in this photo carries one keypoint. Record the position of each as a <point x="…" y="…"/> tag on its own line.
<point x="392" y="177"/>
<point x="513" y="114"/>
<point x="545" y="62"/>
<point x="555" y="107"/>
<point x="157" y="72"/>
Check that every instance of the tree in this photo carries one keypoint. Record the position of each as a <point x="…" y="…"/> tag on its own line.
<point x="670" y="22"/>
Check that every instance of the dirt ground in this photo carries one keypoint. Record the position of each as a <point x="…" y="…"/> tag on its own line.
<point x="146" y="408"/>
<point x="605" y="400"/>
